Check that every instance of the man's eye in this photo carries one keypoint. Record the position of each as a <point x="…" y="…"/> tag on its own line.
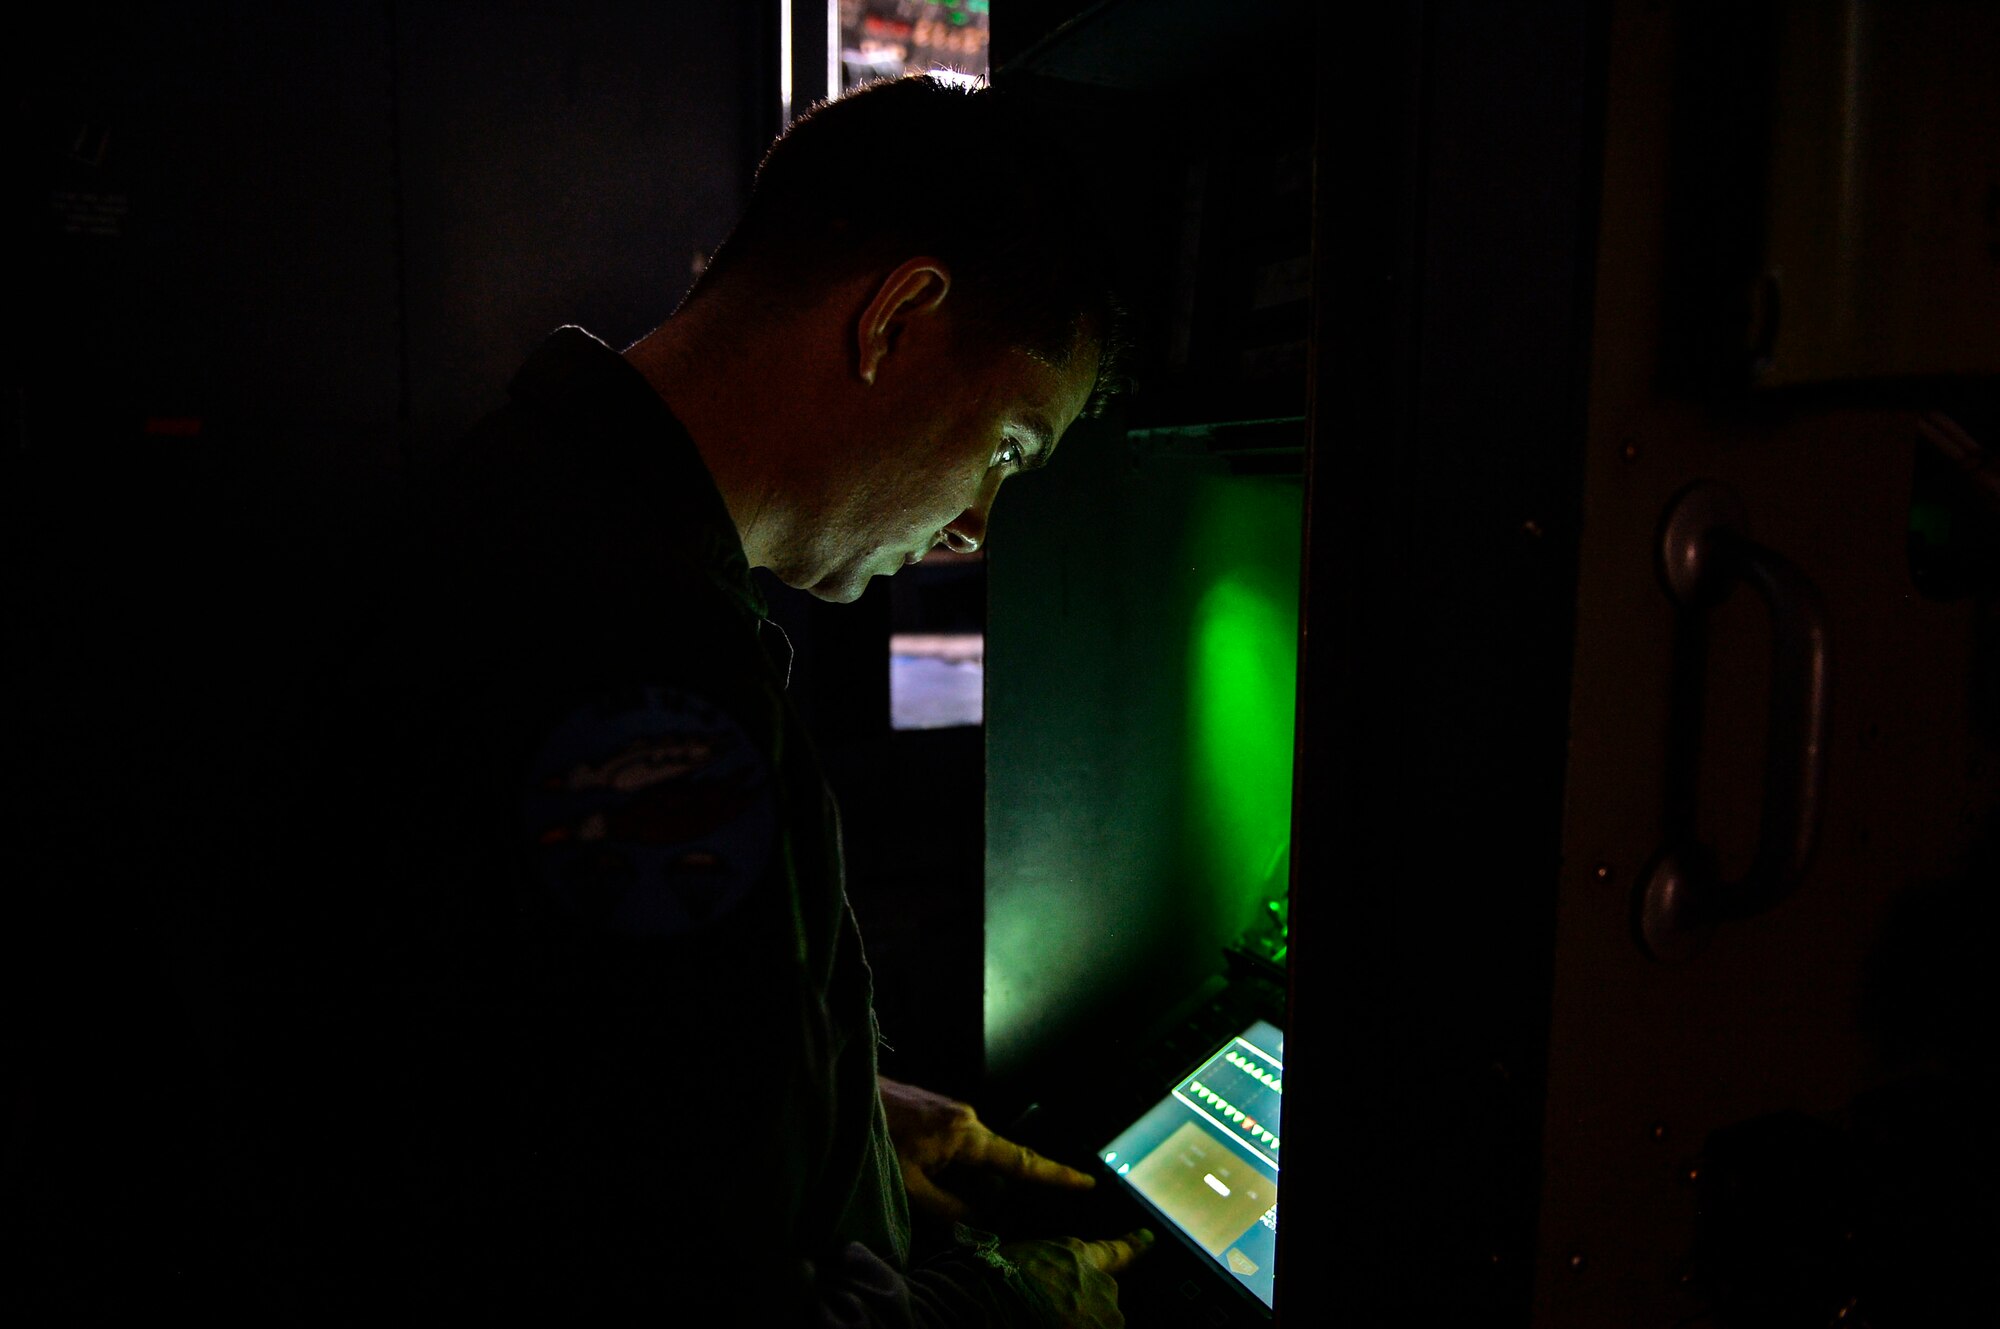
<point x="1010" y="454"/>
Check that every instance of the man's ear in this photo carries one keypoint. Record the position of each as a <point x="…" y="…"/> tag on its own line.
<point x="914" y="290"/>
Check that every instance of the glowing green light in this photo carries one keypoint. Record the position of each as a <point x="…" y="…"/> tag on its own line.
<point x="1139" y="744"/>
<point x="1242" y="676"/>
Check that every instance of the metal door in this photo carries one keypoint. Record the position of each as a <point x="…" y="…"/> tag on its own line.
<point x="1757" y="1091"/>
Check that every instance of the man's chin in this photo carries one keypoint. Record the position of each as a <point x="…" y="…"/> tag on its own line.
<point x="840" y="594"/>
<point x="844" y="584"/>
<point x="842" y="588"/>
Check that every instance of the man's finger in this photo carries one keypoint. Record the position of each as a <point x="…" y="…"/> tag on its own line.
<point x="928" y="1197"/>
<point x="1002" y="1155"/>
<point x="1116" y="1253"/>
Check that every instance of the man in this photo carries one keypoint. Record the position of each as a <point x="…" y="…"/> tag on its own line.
<point x="486" y="955"/>
<point x="860" y="370"/>
<point x="858" y="373"/>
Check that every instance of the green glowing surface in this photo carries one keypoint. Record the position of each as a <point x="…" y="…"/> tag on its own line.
<point x="1242" y="685"/>
<point x="1139" y="737"/>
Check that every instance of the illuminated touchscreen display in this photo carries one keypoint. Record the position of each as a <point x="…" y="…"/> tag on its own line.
<point x="1205" y="1157"/>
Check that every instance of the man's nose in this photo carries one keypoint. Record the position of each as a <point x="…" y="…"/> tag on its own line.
<point x="967" y="531"/>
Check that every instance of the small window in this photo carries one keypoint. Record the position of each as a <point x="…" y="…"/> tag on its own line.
<point x="936" y="680"/>
<point x="888" y="38"/>
<point x="937" y="642"/>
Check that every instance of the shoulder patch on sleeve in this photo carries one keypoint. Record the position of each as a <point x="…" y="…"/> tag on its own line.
<point x="652" y="813"/>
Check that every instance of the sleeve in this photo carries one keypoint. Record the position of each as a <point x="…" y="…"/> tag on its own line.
<point x="973" y="1285"/>
<point x="685" y="1119"/>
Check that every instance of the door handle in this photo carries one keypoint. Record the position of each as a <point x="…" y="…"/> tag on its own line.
<point x="1705" y="553"/>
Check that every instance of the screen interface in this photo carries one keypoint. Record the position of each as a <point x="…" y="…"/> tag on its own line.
<point x="1206" y="1156"/>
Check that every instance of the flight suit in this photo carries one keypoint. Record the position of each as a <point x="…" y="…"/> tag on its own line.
<point x="599" y="689"/>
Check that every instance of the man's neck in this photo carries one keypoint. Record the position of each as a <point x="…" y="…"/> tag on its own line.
<point x="700" y="375"/>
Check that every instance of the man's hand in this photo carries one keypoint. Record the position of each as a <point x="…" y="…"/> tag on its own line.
<point x="933" y="1133"/>
<point x="1077" y="1276"/>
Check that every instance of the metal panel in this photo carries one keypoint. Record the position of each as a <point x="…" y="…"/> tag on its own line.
<point x="1456" y="185"/>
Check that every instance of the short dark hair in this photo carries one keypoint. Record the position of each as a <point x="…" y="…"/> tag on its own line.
<point x="975" y="176"/>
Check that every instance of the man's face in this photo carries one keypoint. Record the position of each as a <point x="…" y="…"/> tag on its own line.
<point x="944" y="441"/>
